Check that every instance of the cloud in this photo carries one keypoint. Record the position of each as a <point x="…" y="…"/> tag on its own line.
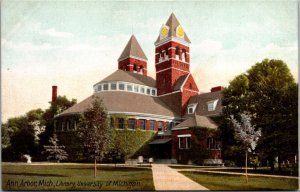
<point x="219" y="65"/>
<point x="26" y="46"/>
<point x="53" y="33"/>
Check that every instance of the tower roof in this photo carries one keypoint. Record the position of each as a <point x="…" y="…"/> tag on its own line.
<point x="173" y="23"/>
<point x="134" y="49"/>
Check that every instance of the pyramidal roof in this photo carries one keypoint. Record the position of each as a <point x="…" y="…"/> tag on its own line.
<point x="132" y="48"/>
<point x="173" y="23"/>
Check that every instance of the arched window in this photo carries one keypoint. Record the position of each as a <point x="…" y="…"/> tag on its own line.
<point x="141" y="70"/>
<point x="190" y="86"/>
<point x="184" y="55"/>
<point x="166" y="54"/>
<point x="177" y="52"/>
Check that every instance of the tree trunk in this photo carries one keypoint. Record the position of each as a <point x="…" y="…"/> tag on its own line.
<point x="279" y="163"/>
<point x="95" y="168"/>
<point x="271" y="160"/>
<point x="246" y="166"/>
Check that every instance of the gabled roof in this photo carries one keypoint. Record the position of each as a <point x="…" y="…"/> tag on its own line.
<point x="197" y="120"/>
<point x="119" y="101"/>
<point x="134" y="49"/>
<point x="120" y="75"/>
<point x="173" y="23"/>
<point x="202" y="99"/>
<point x="180" y="81"/>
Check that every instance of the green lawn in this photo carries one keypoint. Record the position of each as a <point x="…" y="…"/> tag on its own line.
<point x="232" y="182"/>
<point x="75" y="177"/>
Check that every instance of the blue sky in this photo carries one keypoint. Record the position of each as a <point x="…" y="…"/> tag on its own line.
<point x="74" y="44"/>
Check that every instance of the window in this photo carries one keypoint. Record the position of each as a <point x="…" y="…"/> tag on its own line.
<point x="163" y="82"/>
<point x="184" y="55"/>
<point x="153" y="92"/>
<point x="129" y="87"/>
<point x="213" y="143"/>
<point x="160" y="126"/>
<point x="75" y="124"/>
<point x="99" y="87"/>
<point x="166" y="54"/>
<point x="113" y="86"/>
<point x="211" y="105"/>
<point x="121" y="124"/>
<point x="168" y="126"/>
<point x="131" y="123"/>
<point x="112" y="123"/>
<point x="177" y="52"/>
<point x="152" y="125"/>
<point x="121" y="86"/>
<point x="190" y="86"/>
<point x="68" y="125"/>
<point x="135" y="67"/>
<point x="148" y="91"/>
<point x="191" y="108"/>
<point x="184" y="142"/>
<point x="141" y="70"/>
<point x="105" y="86"/>
<point x="136" y="88"/>
<point x="142" y="90"/>
<point x="142" y="124"/>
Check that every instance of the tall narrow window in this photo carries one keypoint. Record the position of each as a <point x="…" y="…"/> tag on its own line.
<point x="163" y="83"/>
<point x="142" y="124"/>
<point x="177" y="53"/>
<point x="68" y="125"/>
<point x="166" y="54"/>
<point x="121" y="124"/>
<point x="184" y="55"/>
<point x="135" y="67"/>
<point x="141" y="70"/>
<point x="160" y="126"/>
<point x="152" y="125"/>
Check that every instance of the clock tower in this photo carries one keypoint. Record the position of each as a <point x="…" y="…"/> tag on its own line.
<point x="172" y="63"/>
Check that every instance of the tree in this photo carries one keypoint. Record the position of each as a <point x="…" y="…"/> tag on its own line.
<point x="246" y="134"/>
<point x="95" y="131"/>
<point x="61" y="104"/>
<point x="55" y="151"/>
<point x="269" y="95"/>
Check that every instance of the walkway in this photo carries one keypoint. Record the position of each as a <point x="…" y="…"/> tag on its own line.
<point x="166" y="178"/>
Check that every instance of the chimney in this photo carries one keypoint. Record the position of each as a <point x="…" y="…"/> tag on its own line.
<point x="54" y="93"/>
<point x="215" y="89"/>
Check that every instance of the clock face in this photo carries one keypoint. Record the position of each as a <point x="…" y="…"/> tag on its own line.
<point x="179" y="31"/>
<point x="164" y="31"/>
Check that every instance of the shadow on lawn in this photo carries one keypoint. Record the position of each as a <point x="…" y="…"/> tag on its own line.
<point x="34" y="174"/>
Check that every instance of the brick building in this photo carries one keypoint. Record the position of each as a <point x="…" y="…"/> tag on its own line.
<point x="169" y="105"/>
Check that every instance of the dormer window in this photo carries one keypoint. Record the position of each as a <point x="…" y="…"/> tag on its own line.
<point x="191" y="108"/>
<point x="211" y="105"/>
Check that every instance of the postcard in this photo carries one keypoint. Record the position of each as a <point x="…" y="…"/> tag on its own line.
<point x="149" y="95"/>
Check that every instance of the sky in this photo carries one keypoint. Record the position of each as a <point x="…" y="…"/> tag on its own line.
<point x="75" y="44"/>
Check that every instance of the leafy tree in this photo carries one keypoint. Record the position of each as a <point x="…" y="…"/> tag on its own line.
<point x="95" y="131"/>
<point x="61" y="104"/>
<point x="246" y="134"/>
<point x="269" y="95"/>
<point x="55" y="151"/>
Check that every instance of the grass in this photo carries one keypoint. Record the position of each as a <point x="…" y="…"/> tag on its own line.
<point x="232" y="182"/>
<point x="189" y="167"/>
<point x="75" y="177"/>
